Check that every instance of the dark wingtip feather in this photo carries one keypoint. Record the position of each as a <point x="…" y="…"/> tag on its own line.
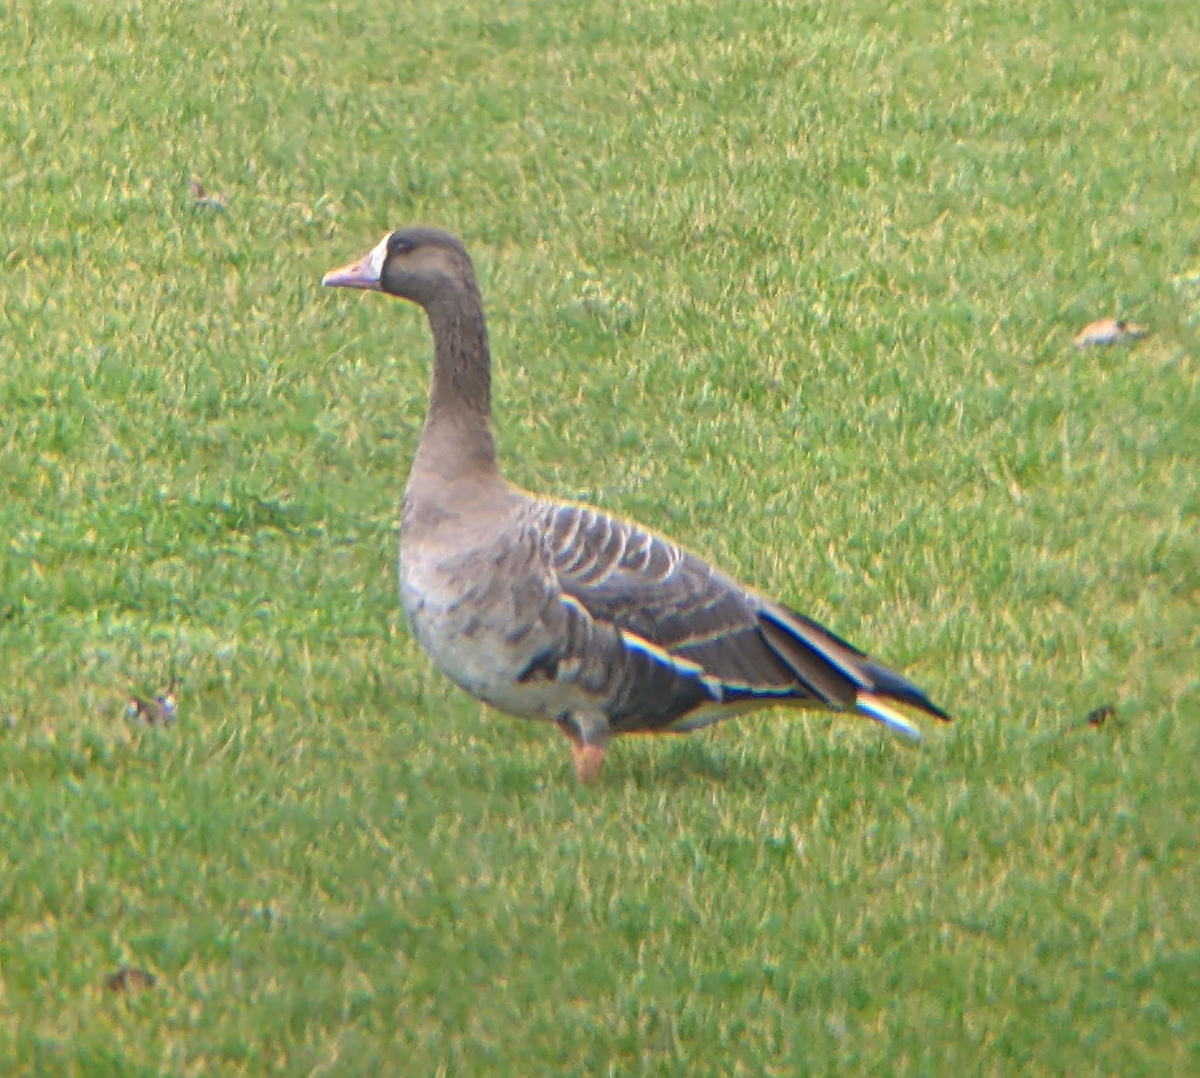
<point x="889" y="683"/>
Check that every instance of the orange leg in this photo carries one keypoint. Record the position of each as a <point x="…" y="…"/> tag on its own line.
<point x="588" y="759"/>
<point x="588" y="753"/>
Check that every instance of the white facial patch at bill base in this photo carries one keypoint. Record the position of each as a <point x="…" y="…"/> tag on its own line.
<point x="377" y="257"/>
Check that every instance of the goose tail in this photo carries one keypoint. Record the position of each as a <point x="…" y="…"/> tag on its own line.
<point x="876" y="707"/>
<point x="890" y="688"/>
<point x="838" y="673"/>
<point x="895" y="687"/>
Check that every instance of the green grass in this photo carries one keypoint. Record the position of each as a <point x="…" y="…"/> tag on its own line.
<point x="793" y="284"/>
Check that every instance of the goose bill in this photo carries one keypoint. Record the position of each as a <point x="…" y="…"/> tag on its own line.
<point x="361" y="274"/>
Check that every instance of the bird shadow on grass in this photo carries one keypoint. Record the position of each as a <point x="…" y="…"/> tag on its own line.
<point x="690" y="764"/>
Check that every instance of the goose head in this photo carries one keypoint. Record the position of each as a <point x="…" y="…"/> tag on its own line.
<point x="418" y="264"/>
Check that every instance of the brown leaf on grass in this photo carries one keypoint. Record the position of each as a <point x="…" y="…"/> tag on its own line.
<point x="1094" y="719"/>
<point x="1099" y="716"/>
<point x="128" y="979"/>
<point x="202" y="198"/>
<point x="154" y="710"/>
<point x="1109" y="331"/>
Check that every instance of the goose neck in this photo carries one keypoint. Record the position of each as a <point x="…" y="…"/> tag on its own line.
<point x="458" y="429"/>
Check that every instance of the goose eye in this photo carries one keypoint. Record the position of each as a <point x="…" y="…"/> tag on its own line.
<point x="398" y="245"/>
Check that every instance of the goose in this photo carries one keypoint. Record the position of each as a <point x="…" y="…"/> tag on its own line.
<point x="557" y="611"/>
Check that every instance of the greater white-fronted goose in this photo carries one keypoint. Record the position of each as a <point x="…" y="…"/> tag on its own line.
<point x="560" y="612"/>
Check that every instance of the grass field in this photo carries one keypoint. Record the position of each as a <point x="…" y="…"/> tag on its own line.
<point x="795" y="284"/>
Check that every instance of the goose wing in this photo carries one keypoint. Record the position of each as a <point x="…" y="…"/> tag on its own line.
<point x="749" y="650"/>
<point x="644" y="584"/>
